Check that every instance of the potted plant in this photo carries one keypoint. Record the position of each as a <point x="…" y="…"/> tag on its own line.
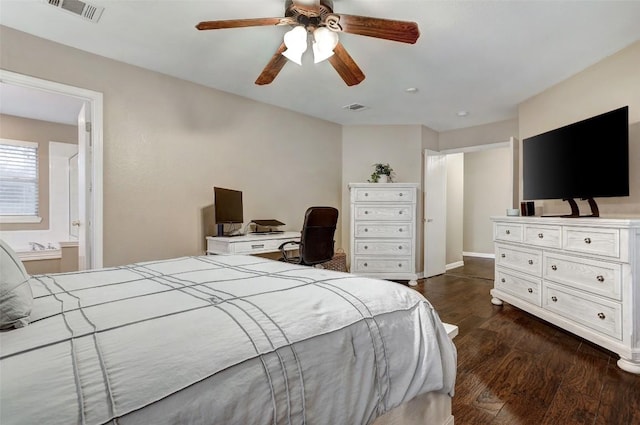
<point x="382" y="173"/>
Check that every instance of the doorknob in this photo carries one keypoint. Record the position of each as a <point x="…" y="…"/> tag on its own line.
<point x="429" y="220"/>
<point x="75" y="223"/>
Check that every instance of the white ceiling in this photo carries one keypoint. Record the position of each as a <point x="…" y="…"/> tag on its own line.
<point x="484" y="57"/>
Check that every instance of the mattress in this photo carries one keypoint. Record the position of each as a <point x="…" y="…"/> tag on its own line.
<point x="220" y="340"/>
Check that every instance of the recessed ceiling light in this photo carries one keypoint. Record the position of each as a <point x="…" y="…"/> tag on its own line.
<point x="463" y="113"/>
<point x="411" y="90"/>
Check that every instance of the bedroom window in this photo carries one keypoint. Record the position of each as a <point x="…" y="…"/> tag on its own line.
<point x="19" y="182"/>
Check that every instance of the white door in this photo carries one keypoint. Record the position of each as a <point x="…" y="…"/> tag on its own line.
<point x="435" y="213"/>
<point x="84" y="186"/>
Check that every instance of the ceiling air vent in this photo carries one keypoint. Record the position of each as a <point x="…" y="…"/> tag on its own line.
<point x="355" y="107"/>
<point x="79" y="8"/>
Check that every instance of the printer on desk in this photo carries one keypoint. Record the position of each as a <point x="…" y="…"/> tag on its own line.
<point x="267" y="226"/>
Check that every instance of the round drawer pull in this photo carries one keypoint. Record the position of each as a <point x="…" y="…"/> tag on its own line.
<point x="602" y="316"/>
<point x="366" y="194"/>
<point x="400" y="212"/>
<point x="600" y="278"/>
<point x="400" y="230"/>
<point x="365" y="264"/>
<point x="400" y="194"/>
<point x="554" y="267"/>
<point x="530" y="262"/>
<point x="529" y="290"/>
<point x="508" y="232"/>
<point x="366" y="230"/>
<point x="399" y="246"/>
<point x="399" y="264"/>
<point x="366" y="212"/>
<point x="554" y="299"/>
<point x="540" y="235"/>
<point x="587" y="240"/>
<point x="366" y="247"/>
<point x="503" y="255"/>
<point x="503" y="280"/>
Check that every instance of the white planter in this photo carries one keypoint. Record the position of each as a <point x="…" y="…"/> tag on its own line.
<point x="383" y="178"/>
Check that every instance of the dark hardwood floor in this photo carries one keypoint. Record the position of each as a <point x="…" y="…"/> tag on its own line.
<point x="516" y="369"/>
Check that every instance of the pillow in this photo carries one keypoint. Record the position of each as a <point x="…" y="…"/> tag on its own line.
<point x="16" y="297"/>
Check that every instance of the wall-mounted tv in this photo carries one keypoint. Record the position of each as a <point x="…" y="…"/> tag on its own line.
<point x="585" y="160"/>
<point x="227" y="206"/>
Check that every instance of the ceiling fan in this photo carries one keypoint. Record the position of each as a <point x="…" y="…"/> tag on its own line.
<point x="316" y="17"/>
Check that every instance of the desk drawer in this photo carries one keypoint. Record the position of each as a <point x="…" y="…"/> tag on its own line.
<point x="383" y="247"/>
<point x="383" y="230"/>
<point x="383" y="213"/>
<point x="383" y="194"/>
<point x="258" y="246"/>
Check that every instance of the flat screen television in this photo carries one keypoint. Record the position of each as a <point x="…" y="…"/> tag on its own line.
<point x="227" y="206"/>
<point x="584" y="160"/>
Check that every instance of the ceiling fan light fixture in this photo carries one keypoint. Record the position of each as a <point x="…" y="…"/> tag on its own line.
<point x="325" y="41"/>
<point x="296" y="42"/>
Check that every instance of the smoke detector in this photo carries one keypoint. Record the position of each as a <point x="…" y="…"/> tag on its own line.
<point x="355" y="107"/>
<point x="79" y="8"/>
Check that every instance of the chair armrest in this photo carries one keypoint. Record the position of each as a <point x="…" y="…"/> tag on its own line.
<point x="283" y="252"/>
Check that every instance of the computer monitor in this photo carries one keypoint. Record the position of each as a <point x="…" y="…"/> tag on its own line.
<point x="227" y="205"/>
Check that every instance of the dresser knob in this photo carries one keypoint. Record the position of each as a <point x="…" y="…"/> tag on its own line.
<point x="529" y="290"/>
<point x="400" y="230"/>
<point x="601" y="316"/>
<point x="508" y="232"/>
<point x="365" y="264"/>
<point x="366" y="194"/>
<point x="399" y="246"/>
<point x="503" y="280"/>
<point x="540" y="235"/>
<point x="400" y="195"/>
<point x="554" y="267"/>
<point x="600" y="278"/>
<point x="399" y="264"/>
<point x="503" y="255"/>
<point x="587" y="240"/>
<point x="366" y="212"/>
<point x="366" y="230"/>
<point x="366" y="247"/>
<point x="530" y="262"/>
<point x="554" y="299"/>
<point x="400" y="212"/>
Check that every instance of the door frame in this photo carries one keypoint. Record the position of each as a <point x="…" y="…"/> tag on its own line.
<point x="94" y="146"/>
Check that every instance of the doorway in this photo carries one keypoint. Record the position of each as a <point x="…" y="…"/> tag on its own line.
<point x="89" y="162"/>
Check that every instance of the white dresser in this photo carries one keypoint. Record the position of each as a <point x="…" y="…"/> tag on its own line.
<point x="580" y="274"/>
<point x="383" y="230"/>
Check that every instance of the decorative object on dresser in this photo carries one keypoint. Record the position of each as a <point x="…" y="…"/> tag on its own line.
<point x="580" y="274"/>
<point x="383" y="173"/>
<point x="383" y="230"/>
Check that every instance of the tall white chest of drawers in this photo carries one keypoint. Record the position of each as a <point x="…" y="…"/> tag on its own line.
<point x="383" y="230"/>
<point x="581" y="274"/>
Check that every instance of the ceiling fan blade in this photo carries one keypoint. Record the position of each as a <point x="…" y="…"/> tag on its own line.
<point x="240" y="23"/>
<point x="402" y="31"/>
<point x="275" y="65"/>
<point x="346" y="66"/>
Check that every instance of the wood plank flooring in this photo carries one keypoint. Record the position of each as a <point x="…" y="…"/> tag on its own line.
<point x="516" y="369"/>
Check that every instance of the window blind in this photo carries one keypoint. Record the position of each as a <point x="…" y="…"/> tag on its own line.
<point x="18" y="178"/>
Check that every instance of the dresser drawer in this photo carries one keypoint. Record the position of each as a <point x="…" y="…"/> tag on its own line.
<point x="592" y="240"/>
<point x="525" y="288"/>
<point x="383" y="230"/>
<point x="383" y="213"/>
<point x="598" y="277"/>
<point x="383" y="247"/>
<point x="383" y="194"/>
<point x="518" y="258"/>
<point x="380" y="265"/>
<point x="508" y="232"/>
<point x="545" y="236"/>
<point x="598" y="314"/>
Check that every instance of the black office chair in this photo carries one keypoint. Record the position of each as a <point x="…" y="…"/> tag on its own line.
<point x="316" y="239"/>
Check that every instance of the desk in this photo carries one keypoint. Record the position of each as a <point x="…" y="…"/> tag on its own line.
<point x="250" y="243"/>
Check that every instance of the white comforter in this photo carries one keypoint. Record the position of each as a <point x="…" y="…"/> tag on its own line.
<point x="220" y="340"/>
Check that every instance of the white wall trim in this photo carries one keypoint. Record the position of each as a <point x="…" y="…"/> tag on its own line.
<point x="95" y="99"/>
<point x="478" y="148"/>
<point x="479" y="254"/>
<point x="454" y="265"/>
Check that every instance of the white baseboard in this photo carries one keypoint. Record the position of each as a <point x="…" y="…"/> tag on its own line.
<point x="479" y="254"/>
<point x="454" y="265"/>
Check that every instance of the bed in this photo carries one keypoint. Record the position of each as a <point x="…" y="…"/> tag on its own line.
<point x="223" y="340"/>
